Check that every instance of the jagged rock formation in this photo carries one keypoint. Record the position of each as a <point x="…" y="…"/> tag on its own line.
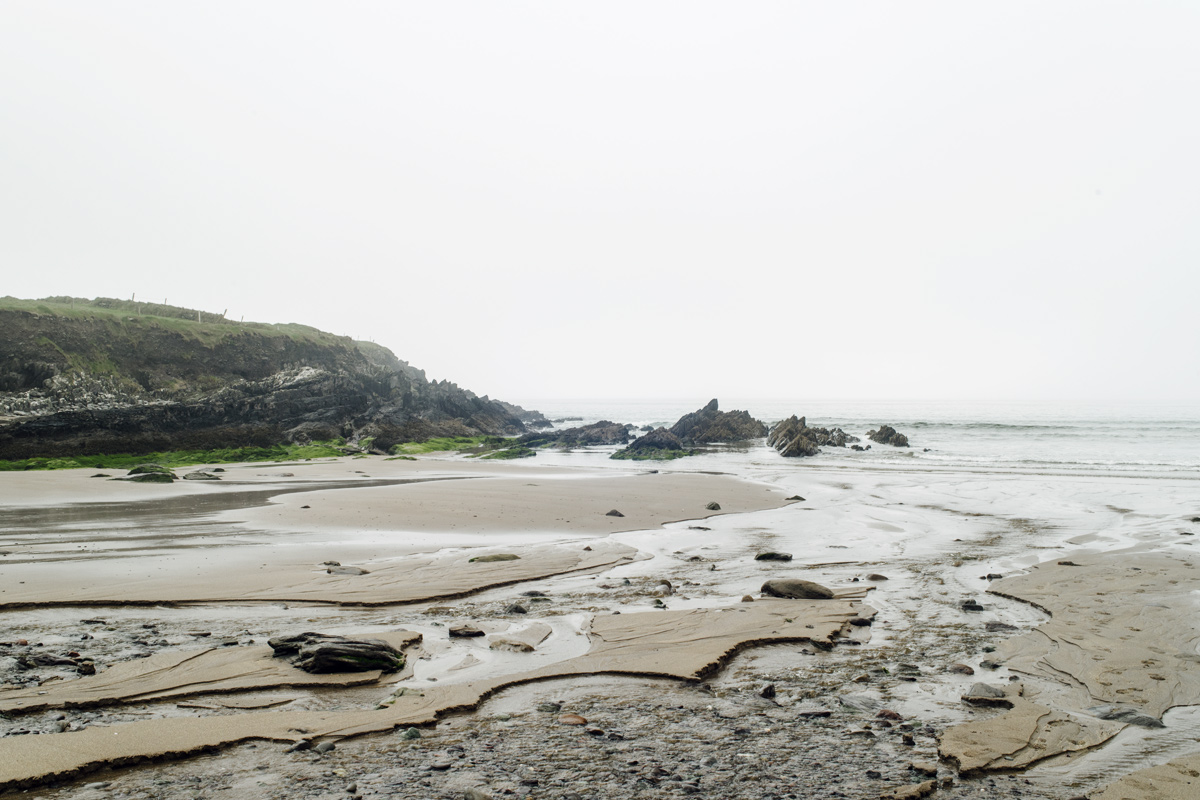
<point x="793" y="438"/>
<point x="888" y="435"/>
<point x="658" y="444"/>
<point x="711" y="425"/>
<point x="532" y="419"/>
<point x="95" y="377"/>
<point x="603" y="432"/>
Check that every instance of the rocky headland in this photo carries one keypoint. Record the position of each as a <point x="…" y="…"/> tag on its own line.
<point x="86" y="377"/>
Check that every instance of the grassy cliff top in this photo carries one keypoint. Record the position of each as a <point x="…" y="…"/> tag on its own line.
<point x="202" y="325"/>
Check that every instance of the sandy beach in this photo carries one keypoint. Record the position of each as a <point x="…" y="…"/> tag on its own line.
<point x="1071" y="597"/>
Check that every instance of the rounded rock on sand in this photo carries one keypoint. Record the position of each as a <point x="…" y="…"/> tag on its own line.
<point x="796" y="589"/>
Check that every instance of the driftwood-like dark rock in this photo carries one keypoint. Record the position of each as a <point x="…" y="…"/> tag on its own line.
<point x="888" y="435"/>
<point x="322" y="652"/>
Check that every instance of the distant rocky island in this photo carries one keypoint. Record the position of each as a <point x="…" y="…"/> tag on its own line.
<point x="81" y="377"/>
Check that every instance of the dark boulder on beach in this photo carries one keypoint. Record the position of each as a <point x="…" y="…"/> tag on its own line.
<point x="320" y="653"/>
<point x="796" y="589"/>
<point x="888" y="435"/>
<point x="709" y="424"/>
<point x="793" y="438"/>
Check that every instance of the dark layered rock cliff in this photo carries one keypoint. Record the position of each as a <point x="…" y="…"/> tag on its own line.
<point x="793" y="438"/>
<point x="91" y="377"/>
<point x="709" y="425"/>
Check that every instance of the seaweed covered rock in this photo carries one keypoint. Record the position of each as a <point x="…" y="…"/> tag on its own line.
<point x="888" y="435"/>
<point x="320" y="653"/>
<point x="793" y="437"/>
<point x="709" y="424"/>
<point x="150" y="473"/>
<point x="657" y="444"/>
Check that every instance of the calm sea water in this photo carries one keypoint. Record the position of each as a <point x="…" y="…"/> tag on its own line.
<point x="1149" y="438"/>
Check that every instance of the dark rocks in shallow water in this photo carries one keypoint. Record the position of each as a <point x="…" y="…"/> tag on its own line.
<point x="201" y="475"/>
<point x="494" y="557"/>
<point x="604" y="432"/>
<point x="713" y="506"/>
<point x="875" y="576"/>
<point x="614" y="513"/>
<point x="657" y="444"/>
<point x="793" y="438"/>
<point x="796" y="498"/>
<point x="970" y="605"/>
<point x="321" y="653"/>
<point x="1128" y="715"/>
<point x="888" y="435"/>
<point x="981" y="694"/>
<point x="773" y="556"/>
<point x="709" y="424"/>
<point x="464" y="631"/>
<point x="796" y="589"/>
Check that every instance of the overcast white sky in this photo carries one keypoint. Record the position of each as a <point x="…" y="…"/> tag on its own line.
<point x="553" y="200"/>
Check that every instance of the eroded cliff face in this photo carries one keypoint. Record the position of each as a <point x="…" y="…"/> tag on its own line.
<point x="86" y="379"/>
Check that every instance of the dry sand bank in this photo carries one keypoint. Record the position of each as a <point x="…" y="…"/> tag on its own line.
<point x="275" y="552"/>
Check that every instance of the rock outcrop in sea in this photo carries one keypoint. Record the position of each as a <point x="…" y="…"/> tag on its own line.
<point x="657" y="444"/>
<point x="888" y="435"/>
<point x="793" y="438"/>
<point x="709" y="425"/>
<point x="603" y="432"/>
<point x="85" y="377"/>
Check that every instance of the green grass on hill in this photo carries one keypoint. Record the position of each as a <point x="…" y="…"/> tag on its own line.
<point x="201" y="325"/>
<point x="181" y="458"/>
